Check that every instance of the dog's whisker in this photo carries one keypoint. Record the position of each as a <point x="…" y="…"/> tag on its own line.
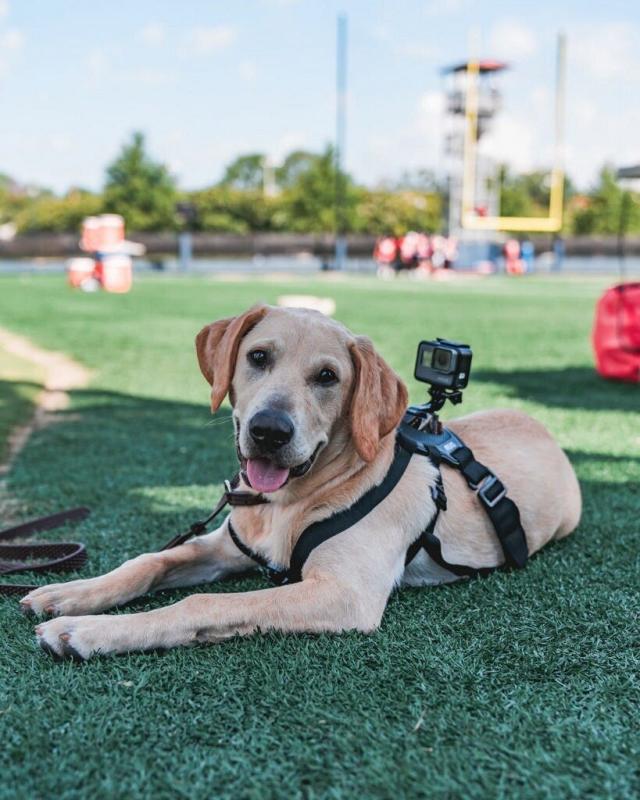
<point x="218" y="421"/>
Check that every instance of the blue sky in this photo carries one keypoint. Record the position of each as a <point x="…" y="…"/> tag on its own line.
<point x="209" y="80"/>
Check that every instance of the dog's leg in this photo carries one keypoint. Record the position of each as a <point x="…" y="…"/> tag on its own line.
<point x="314" y="605"/>
<point x="204" y="559"/>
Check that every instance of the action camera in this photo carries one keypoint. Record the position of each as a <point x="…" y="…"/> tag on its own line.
<point x="443" y="364"/>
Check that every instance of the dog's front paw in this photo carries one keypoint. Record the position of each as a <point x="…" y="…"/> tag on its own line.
<point x="78" y="638"/>
<point x="72" y="598"/>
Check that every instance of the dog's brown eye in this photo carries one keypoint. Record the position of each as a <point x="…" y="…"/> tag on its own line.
<point x="258" y="358"/>
<point x="326" y="376"/>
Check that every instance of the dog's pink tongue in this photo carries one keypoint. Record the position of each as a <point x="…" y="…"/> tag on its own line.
<point x="264" y="476"/>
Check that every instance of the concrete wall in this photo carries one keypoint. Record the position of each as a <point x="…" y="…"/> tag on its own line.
<point x="228" y="244"/>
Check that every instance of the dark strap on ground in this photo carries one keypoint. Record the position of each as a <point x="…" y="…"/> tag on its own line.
<point x="59" y="556"/>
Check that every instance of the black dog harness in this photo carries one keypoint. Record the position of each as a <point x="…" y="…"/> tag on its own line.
<point x="443" y="447"/>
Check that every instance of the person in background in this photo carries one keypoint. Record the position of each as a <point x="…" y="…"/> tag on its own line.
<point x="558" y="252"/>
<point x="528" y="254"/>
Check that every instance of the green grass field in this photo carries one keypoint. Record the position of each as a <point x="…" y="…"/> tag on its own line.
<point x="521" y="685"/>
<point x="20" y="384"/>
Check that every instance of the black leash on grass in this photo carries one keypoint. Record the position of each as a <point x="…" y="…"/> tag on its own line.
<point x="28" y="557"/>
<point x="68" y="556"/>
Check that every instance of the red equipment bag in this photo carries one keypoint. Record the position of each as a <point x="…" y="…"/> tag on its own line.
<point x="616" y="333"/>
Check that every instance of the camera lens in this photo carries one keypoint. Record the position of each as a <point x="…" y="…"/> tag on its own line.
<point x="442" y="359"/>
<point x="427" y="356"/>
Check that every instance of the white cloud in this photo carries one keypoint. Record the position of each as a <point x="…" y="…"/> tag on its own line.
<point x="146" y="76"/>
<point x="4" y="8"/>
<point x="60" y="143"/>
<point x="542" y="101"/>
<point x="98" y="63"/>
<point x="280" y="3"/>
<point x="153" y="34"/>
<point x="380" y="33"/>
<point x="11" y="40"/>
<point x="418" y="51"/>
<point x="594" y="138"/>
<point x="431" y="106"/>
<point x="287" y="143"/>
<point x="512" y="140"/>
<point x="607" y="52"/>
<point x="416" y="144"/>
<point x="211" y="39"/>
<point x="512" y="40"/>
<point x="585" y="111"/>
<point x="248" y="71"/>
<point x="437" y="8"/>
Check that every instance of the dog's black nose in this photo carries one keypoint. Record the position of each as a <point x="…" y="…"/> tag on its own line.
<point x="271" y="430"/>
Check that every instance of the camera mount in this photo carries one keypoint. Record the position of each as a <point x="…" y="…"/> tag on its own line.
<point x="425" y="416"/>
<point x="439" y="397"/>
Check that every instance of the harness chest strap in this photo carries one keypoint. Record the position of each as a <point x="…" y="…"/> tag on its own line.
<point x="445" y="447"/>
<point x="319" y="532"/>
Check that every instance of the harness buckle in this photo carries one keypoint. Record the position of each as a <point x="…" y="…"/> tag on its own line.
<point x="487" y="484"/>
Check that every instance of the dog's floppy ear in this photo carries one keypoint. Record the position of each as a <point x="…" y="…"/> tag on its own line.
<point x="379" y="398"/>
<point x="217" y="349"/>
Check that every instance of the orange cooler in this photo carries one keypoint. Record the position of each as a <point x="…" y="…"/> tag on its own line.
<point x="90" y="234"/>
<point x="79" y="270"/>
<point x="116" y="273"/>
<point x="111" y="231"/>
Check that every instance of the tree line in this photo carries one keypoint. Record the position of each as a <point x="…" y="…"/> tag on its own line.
<point x="296" y="196"/>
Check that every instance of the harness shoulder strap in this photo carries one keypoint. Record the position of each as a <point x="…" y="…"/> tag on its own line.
<point x="325" y="529"/>
<point x="318" y="532"/>
<point x="500" y="509"/>
<point x="446" y="447"/>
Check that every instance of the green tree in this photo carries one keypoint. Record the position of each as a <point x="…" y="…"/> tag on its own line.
<point x="309" y="202"/>
<point x="245" y="172"/>
<point x="225" y="209"/>
<point x="294" y="165"/>
<point x="515" y="197"/>
<point x="608" y="209"/>
<point x="140" y="189"/>
<point x="380" y="211"/>
<point x="47" y="213"/>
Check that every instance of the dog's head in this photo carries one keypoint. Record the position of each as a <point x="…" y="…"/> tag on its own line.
<point x="299" y="383"/>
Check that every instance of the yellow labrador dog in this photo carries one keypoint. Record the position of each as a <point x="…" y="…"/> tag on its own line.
<point x="315" y="411"/>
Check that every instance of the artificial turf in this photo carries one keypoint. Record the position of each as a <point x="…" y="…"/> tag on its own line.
<point x="20" y="384"/>
<point x="519" y="685"/>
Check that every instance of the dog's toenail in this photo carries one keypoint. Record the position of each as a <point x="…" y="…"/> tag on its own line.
<point x="49" y="650"/>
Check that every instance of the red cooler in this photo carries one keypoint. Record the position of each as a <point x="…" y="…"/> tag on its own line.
<point x="616" y="333"/>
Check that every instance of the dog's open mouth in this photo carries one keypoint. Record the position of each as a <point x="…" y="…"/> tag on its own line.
<point x="265" y="476"/>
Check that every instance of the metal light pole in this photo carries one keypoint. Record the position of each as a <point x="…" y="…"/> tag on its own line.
<point x="341" y="129"/>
